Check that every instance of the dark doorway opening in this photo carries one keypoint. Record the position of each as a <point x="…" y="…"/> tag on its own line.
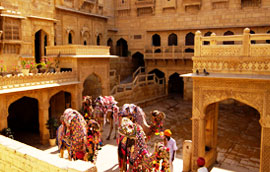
<point x="23" y="119"/>
<point x="137" y="60"/>
<point x="176" y="85"/>
<point x="156" y="40"/>
<point x="38" y="46"/>
<point x="122" y="48"/>
<point x="58" y="103"/>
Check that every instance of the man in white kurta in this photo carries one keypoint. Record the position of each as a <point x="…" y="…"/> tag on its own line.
<point x="171" y="144"/>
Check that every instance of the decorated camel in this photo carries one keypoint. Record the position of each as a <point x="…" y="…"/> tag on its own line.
<point x="77" y="136"/>
<point x="106" y="109"/>
<point x="132" y="150"/>
<point x="137" y="115"/>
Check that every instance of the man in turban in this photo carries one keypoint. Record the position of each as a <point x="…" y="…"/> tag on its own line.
<point x="200" y="163"/>
<point x="171" y="144"/>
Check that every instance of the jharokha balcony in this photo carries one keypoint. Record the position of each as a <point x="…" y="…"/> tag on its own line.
<point x="169" y="52"/>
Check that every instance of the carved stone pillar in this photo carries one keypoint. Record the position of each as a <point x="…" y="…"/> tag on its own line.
<point x="43" y="117"/>
<point x="76" y="97"/>
<point x="265" y="144"/>
<point x="198" y="140"/>
<point x="3" y="113"/>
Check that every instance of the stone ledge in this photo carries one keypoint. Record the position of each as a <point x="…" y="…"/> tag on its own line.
<point x="36" y="159"/>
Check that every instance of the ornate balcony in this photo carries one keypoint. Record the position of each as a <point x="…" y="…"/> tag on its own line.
<point x="17" y="83"/>
<point x="243" y="58"/>
<point x="169" y="52"/>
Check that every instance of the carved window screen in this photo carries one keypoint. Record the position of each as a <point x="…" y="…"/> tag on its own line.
<point x="12" y="29"/>
<point x="250" y="3"/>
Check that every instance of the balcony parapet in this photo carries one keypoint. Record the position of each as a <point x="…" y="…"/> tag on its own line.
<point x="169" y="52"/>
<point x="78" y="50"/>
<point x="242" y="57"/>
<point x="36" y="81"/>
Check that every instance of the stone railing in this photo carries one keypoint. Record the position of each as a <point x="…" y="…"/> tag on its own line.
<point x="139" y="71"/>
<point x="90" y="1"/>
<point x="144" y="3"/>
<point x="169" y="52"/>
<point x="77" y="50"/>
<point x="123" y="4"/>
<point x="16" y="156"/>
<point x="140" y="80"/>
<point x="249" y="54"/>
<point x="39" y="79"/>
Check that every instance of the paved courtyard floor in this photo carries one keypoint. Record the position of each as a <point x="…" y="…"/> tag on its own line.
<point x="238" y="137"/>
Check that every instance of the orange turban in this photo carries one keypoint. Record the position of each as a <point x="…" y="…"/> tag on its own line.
<point x="167" y="132"/>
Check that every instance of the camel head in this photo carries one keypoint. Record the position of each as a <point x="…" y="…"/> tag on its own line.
<point x="157" y="120"/>
<point x="127" y="128"/>
<point x="87" y="101"/>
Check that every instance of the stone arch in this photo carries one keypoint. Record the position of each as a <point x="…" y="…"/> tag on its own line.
<point x="122" y="47"/>
<point x="40" y="41"/>
<point x="156" y="40"/>
<point x="247" y="98"/>
<point x="228" y="33"/>
<point x="189" y="40"/>
<point x="92" y="86"/>
<point x="172" y="40"/>
<point x="110" y="44"/>
<point x="23" y="118"/>
<point x="209" y="140"/>
<point x="58" y="103"/>
<point x="86" y="38"/>
<point x="159" y="73"/>
<point x="137" y="60"/>
<point x="99" y="36"/>
<point x="207" y="34"/>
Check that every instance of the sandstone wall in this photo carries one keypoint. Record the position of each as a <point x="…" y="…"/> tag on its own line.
<point x="18" y="157"/>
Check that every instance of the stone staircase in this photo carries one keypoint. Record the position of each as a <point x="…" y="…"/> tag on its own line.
<point x="139" y="87"/>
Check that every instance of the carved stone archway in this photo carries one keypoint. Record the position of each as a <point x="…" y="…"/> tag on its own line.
<point x="207" y="92"/>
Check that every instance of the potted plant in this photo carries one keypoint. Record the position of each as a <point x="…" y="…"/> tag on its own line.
<point x="52" y="125"/>
<point x="26" y="66"/>
<point x="7" y="132"/>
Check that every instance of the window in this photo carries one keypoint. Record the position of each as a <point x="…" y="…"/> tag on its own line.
<point x="228" y="42"/>
<point x="172" y="39"/>
<point x="252" y="32"/>
<point x="156" y="40"/>
<point x="190" y="39"/>
<point x="207" y="34"/>
<point x="70" y="38"/>
<point x="12" y="29"/>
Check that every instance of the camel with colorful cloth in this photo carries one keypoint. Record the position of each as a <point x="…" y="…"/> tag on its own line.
<point x="74" y="135"/>
<point x="133" y="151"/>
<point x="137" y="115"/>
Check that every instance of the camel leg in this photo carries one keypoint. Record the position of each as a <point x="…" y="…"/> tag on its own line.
<point x="115" y="130"/>
<point x="62" y="152"/>
<point x="111" y="128"/>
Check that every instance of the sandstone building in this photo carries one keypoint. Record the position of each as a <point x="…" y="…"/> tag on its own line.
<point x="157" y="34"/>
